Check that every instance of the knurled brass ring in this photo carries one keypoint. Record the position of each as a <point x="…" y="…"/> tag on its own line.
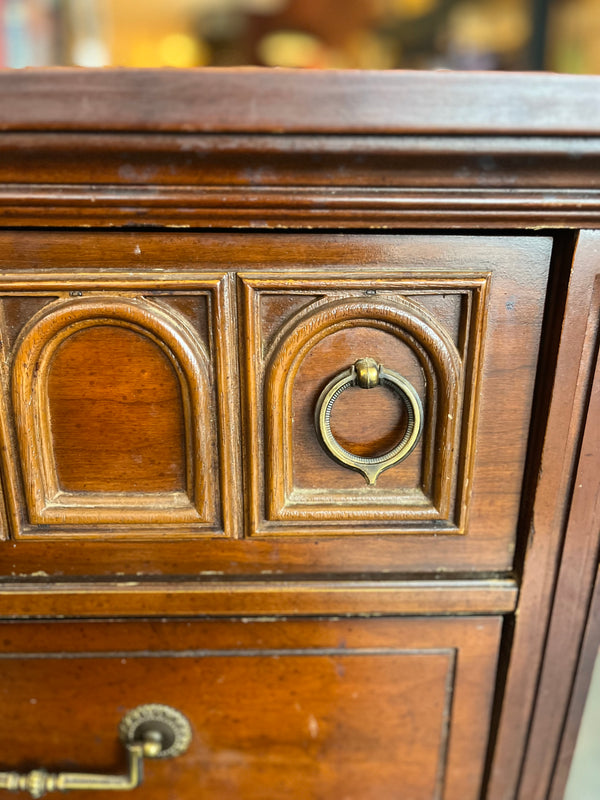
<point x="367" y="373"/>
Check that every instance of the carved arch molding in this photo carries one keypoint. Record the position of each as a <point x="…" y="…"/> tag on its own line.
<point x="441" y="350"/>
<point x="412" y="327"/>
<point x="102" y="481"/>
<point x="429" y="331"/>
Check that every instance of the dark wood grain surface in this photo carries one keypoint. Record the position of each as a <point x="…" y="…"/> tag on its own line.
<point x="264" y="100"/>
<point x="159" y="458"/>
<point x="271" y="181"/>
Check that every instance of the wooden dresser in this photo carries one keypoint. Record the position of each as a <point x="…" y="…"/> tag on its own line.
<point x="300" y="432"/>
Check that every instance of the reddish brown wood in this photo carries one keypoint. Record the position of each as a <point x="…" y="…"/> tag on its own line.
<point x="294" y="164"/>
<point x="42" y="403"/>
<point x="133" y="597"/>
<point x="476" y="323"/>
<point x="569" y="397"/>
<point x="380" y="155"/>
<point x="342" y="319"/>
<point x="571" y="598"/>
<point x="278" y="709"/>
<point x="229" y="147"/>
<point x="185" y="180"/>
<point x="116" y="414"/>
<point x="272" y="101"/>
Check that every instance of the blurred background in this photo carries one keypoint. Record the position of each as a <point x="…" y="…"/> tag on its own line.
<point x="559" y="35"/>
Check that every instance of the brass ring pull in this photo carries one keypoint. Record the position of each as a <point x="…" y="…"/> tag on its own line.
<point x="149" y="731"/>
<point x="367" y="373"/>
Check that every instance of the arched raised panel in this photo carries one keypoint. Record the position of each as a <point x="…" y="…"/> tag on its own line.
<point x="398" y="332"/>
<point x="429" y="335"/>
<point x="111" y="405"/>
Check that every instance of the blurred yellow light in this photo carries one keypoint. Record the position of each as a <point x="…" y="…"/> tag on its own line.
<point x="141" y="53"/>
<point x="495" y="27"/>
<point x="290" y="49"/>
<point x="182" y="50"/>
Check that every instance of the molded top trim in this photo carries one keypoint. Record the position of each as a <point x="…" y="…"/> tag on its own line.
<point x="255" y="100"/>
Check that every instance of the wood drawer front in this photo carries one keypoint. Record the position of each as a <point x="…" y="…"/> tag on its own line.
<point x="325" y="709"/>
<point x="125" y="390"/>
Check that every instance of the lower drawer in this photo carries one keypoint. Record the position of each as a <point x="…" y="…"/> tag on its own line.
<point x="279" y="709"/>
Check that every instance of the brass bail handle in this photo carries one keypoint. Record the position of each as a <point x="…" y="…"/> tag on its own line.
<point x="367" y="373"/>
<point x="148" y="731"/>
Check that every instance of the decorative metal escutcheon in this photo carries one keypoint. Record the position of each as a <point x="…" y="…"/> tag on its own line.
<point x="148" y="731"/>
<point x="367" y="373"/>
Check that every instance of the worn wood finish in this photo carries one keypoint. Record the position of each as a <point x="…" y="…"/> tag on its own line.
<point x="230" y="148"/>
<point x="192" y="484"/>
<point x="218" y="597"/>
<point x="574" y="588"/>
<point x="371" y="171"/>
<point x="223" y="100"/>
<point x="192" y="180"/>
<point x="546" y="526"/>
<point x="278" y="709"/>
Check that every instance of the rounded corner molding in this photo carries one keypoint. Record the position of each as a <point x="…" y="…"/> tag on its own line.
<point x="367" y="373"/>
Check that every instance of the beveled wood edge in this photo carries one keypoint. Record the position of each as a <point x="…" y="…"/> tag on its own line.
<point x="256" y="100"/>
<point x="224" y="320"/>
<point x="586" y="662"/>
<point x="257" y="598"/>
<point x="573" y="593"/>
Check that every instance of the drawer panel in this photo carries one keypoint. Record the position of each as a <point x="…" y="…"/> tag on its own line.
<point x="354" y="709"/>
<point x="147" y="378"/>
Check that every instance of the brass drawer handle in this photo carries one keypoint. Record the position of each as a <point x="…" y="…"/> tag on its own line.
<point x="148" y="731"/>
<point x="367" y="373"/>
